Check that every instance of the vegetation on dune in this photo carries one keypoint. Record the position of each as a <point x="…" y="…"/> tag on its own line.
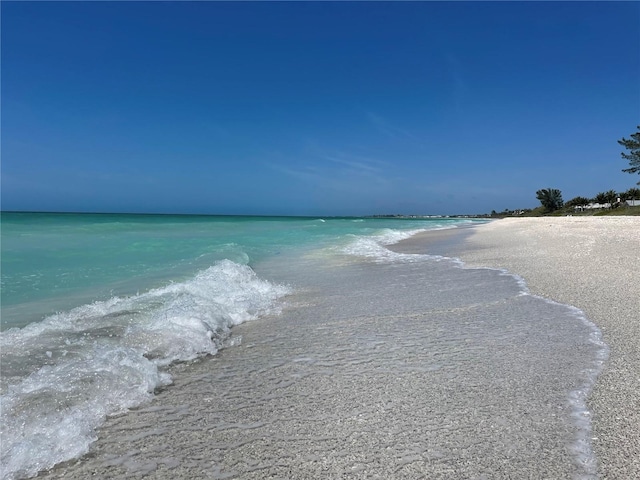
<point x="632" y="194"/>
<point x="550" y="198"/>
<point x="604" y="203"/>
<point x="579" y="202"/>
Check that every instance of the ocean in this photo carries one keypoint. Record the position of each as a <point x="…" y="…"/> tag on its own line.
<point x="130" y="344"/>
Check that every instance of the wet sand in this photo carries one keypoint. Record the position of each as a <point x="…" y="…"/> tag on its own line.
<point x="592" y="263"/>
<point x="373" y="370"/>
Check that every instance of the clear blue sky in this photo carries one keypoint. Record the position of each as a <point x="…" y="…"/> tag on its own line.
<point x="327" y="108"/>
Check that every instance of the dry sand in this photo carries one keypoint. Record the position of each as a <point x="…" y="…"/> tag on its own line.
<point x="592" y="263"/>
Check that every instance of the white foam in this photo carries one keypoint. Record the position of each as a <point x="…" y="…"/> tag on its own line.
<point x="374" y="247"/>
<point x="65" y="374"/>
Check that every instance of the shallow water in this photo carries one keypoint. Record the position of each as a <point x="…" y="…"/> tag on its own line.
<point x="96" y="308"/>
<point x="381" y="365"/>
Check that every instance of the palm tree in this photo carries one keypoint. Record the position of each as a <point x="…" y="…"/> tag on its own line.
<point x="601" y="198"/>
<point x="632" y="194"/>
<point x="578" y="202"/>
<point x="612" y="198"/>
<point x="550" y="198"/>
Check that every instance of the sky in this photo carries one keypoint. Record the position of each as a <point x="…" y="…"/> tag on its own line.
<point x="314" y="108"/>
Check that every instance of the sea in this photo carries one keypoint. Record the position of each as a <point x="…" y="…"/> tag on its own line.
<point x="106" y="317"/>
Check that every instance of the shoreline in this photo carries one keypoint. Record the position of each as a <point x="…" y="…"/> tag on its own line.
<point x="398" y="368"/>
<point x="593" y="264"/>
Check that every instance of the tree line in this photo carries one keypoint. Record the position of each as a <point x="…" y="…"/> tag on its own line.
<point x="551" y="198"/>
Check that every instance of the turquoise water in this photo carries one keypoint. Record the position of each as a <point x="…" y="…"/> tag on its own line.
<point x="102" y="312"/>
<point x="54" y="262"/>
<point x="95" y="308"/>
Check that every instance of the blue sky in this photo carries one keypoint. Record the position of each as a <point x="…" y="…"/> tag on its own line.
<point x="305" y="108"/>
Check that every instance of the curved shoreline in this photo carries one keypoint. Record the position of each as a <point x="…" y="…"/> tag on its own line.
<point x="375" y="369"/>
<point x="592" y="263"/>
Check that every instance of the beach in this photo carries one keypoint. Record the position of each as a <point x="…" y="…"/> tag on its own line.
<point x="592" y="263"/>
<point x="402" y="364"/>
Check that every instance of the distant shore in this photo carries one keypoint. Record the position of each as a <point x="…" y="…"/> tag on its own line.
<point x="592" y="263"/>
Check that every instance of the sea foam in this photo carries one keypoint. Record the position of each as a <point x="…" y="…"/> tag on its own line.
<point x="374" y="248"/>
<point x="63" y="376"/>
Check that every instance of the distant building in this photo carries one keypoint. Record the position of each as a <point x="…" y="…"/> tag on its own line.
<point x="592" y="206"/>
<point x="602" y="206"/>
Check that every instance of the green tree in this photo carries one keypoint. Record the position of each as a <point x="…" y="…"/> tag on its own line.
<point x="633" y="145"/>
<point x="633" y="194"/>
<point x="612" y="198"/>
<point x="609" y="197"/>
<point x="550" y="198"/>
<point x="601" y="198"/>
<point x="578" y="202"/>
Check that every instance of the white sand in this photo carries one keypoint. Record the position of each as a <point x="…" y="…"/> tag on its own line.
<point x="592" y="263"/>
<point x="333" y="388"/>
